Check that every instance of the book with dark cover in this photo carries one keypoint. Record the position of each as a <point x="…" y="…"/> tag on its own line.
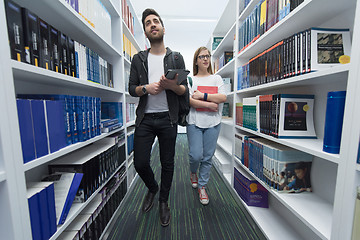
<point x="54" y="49"/>
<point x="71" y="47"/>
<point x="31" y="37"/>
<point x="64" y="54"/>
<point x="45" y="58"/>
<point x="15" y="30"/>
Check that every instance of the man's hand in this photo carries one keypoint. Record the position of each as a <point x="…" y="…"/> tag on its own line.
<point x="170" y="84"/>
<point x="154" y="88"/>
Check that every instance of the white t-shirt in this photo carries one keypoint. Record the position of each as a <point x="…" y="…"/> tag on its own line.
<point x="156" y="103"/>
<point x="200" y="118"/>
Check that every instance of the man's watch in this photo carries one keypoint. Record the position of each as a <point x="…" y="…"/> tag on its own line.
<point x="144" y="89"/>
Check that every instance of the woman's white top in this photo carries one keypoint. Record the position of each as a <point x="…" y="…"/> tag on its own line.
<point x="206" y="119"/>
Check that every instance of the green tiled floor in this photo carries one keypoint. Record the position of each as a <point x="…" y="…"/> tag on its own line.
<point x="223" y="218"/>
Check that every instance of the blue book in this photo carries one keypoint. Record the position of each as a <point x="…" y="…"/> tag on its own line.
<point x="40" y="134"/>
<point x="81" y="118"/>
<point x="34" y="212"/>
<point x="56" y="125"/>
<point x="47" y="204"/>
<point x="111" y="110"/>
<point x="108" y="122"/>
<point x="98" y="116"/>
<point x="73" y="119"/>
<point x="65" y="187"/>
<point x="26" y="129"/>
<point x="111" y="128"/>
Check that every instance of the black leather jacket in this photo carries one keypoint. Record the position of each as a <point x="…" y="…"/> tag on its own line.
<point x="139" y="76"/>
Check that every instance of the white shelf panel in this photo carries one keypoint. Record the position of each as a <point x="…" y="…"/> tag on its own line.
<point x="73" y="147"/>
<point x="227" y="42"/>
<point x="304" y="206"/>
<point x="113" y="11"/>
<point x="228" y="69"/>
<point x="311" y="146"/>
<point x="73" y="25"/>
<point x="307" y="13"/>
<point x="328" y="76"/>
<point x="76" y="209"/>
<point x="2" y="176"/>
<point x="271" y="223"/>
<point x="130" y="36"/>
<point x="226" y="20"/>
<point x="227" y="121"/>
<point x="28" y="73"/>
<point x="358" y="167"/>
<point x="225" y="144"/>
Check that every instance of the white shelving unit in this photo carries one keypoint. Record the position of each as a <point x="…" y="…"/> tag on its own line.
<point x="328" y="211"/>
<point x="21" y="78"/>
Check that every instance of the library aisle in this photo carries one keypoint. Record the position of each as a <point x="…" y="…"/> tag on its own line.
<point x="223" y="218"/>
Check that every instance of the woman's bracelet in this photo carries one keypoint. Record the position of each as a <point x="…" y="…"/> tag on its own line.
<point x="205" y="96"/>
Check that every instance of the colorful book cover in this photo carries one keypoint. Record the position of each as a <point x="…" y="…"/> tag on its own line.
<point x="209" y="90"/>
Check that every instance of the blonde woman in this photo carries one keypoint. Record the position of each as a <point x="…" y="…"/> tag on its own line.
<point x="207" y="96"/>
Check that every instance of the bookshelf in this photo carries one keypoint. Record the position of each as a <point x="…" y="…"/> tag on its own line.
<point x="21" y="78"/>
<point x="327" y="212"/>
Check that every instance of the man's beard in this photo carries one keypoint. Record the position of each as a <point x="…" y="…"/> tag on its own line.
<point x="155" y="39"/>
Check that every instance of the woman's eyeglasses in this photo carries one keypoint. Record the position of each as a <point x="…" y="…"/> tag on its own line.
<point x="202" y="57"/>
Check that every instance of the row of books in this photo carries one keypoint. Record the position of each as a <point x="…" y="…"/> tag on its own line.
<point x="50" y="122"/>
<point x="97" y="162"/>
<point x="92" y="221"/>
<point x="215" y="42"/>
<point x="222" y="60"/>
<point x="90" y="66"/>
<point x="250" y="190"/>
<point x="130" y="111"/>
<point x="265" y="15"/>
<point x="278" y="166"/>
<point x="129" y="49"/>
<point x="311" y="50"/>
<point x="112" y="110"/>
<point x="32" y="40"/>
<point x="41" y="202"/>
<point x="95" y="13"/>
<point x="127" y="15"/>
<point x="278" y="115"/>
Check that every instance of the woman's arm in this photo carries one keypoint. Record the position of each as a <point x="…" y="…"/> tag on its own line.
<point x="203" y="104"/>
<point x="214" y="97"/>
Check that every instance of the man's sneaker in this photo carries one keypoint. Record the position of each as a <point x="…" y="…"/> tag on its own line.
<point x="194" y="180"/>
<point x="204" y="199"/>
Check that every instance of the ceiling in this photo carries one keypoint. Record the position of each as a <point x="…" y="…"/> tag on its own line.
<point x="188" y="23"/>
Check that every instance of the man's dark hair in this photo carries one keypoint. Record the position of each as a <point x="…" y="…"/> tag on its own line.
<point x="147" y="12"/>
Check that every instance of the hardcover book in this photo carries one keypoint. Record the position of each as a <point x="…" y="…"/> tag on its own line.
<point x="64" y="54"/>
<point x="65" y="188"/>
<point x="329" y="47"/>
<point x="209" y="90"/>
<point x="47" y="206"/>
<point x="54" y="49"/>
<point x="15" y="30"/>
<point x="31" y="37"/>
<point x="45" y="57"/>
<point x="26" y="129"/>
<point x="250" y="190"/>
<point x="296" y="116"/>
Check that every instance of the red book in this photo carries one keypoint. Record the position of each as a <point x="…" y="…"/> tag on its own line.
<point x="209" y="90"/>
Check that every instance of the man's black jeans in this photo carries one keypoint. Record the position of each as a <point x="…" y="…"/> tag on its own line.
<point x="152" y="125"/>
